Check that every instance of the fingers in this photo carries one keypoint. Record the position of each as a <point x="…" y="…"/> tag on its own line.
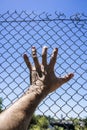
<point x="36" y="62"/>
<point x="53" y="58"/>
<point x="44" y="56"/>
<point x="67" y="78"/>
<point x="27" y="62"/>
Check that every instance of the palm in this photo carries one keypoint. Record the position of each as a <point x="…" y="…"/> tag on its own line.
<point x="43" y="74"/>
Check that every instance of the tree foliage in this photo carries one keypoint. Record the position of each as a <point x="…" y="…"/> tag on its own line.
<point x="43" y="122"/>
<point x="85" y="122"/>
<point x="39" y="123"/>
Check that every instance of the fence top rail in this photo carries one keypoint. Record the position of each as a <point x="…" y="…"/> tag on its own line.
<point x="34" y="17"/>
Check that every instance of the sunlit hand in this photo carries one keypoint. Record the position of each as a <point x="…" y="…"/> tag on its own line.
<point x="42" y="74"/>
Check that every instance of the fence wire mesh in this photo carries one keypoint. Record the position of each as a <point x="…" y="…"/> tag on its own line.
<point x="19" y="32"/>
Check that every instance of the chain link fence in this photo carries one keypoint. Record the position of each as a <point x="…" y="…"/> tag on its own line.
<point x="19" y="32"/>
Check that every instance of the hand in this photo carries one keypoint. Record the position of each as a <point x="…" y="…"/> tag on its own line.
<point x="42" y="74"/>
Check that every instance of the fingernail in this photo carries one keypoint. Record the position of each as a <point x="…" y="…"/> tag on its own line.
<point x="33" y="47"/>
<point x="71" y="75"/>
<point x="56" y="49"/>
<point x="45" y="47"/>
<point x="25" y="56"/>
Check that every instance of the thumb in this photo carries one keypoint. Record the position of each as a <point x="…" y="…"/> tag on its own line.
<point x="66" y="78"/>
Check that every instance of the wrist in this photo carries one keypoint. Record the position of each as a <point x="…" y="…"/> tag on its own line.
<point x="38" y="90"/>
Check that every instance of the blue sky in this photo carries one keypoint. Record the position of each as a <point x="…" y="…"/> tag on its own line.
<point x="68" y="7"/>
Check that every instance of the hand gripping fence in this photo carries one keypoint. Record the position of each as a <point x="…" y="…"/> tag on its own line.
<point x="19" y="32"/>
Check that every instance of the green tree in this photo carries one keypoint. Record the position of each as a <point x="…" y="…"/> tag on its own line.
<point x="39" y="123"/>
<point x="58" y="128"/>
<point x="43" y="122"/>
<point x="85" y="122"/>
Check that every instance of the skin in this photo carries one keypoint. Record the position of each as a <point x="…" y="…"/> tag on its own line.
<point x="42" y="82"/>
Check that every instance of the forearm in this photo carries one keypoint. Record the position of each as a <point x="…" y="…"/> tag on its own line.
<point x="31" y="99"/>
<point x="21" y="111"/>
